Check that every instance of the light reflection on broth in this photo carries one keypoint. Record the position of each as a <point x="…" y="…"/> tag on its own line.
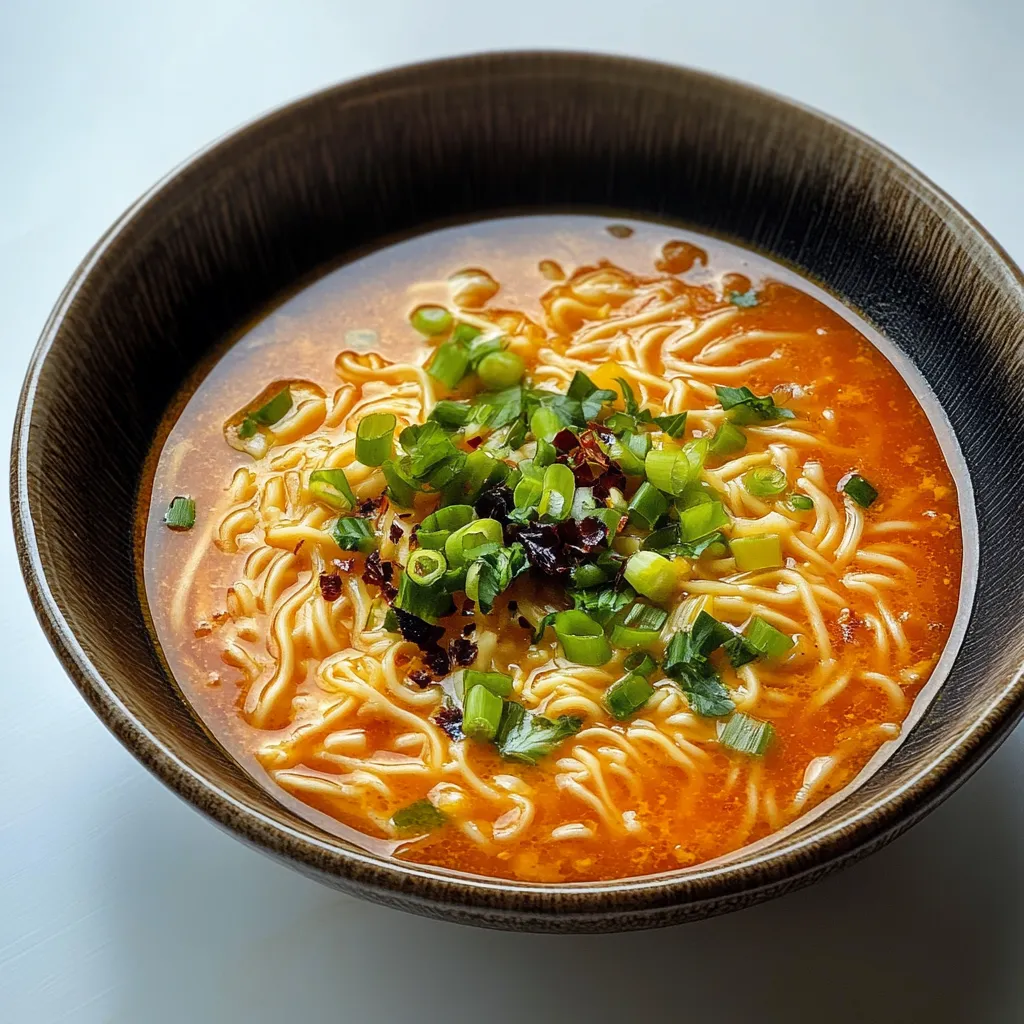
<point x="339" y="717"/>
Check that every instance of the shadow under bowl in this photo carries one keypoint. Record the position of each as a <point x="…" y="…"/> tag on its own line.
<point x="247" y="219"/>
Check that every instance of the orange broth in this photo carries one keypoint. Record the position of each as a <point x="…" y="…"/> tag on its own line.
<point x="849" y="394"/>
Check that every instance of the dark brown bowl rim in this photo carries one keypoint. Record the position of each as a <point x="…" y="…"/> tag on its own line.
<point x="799" y="860"/>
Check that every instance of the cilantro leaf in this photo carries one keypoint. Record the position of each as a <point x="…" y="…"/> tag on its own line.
<point x="538" y="633"/>
<point x="602" y="603"/>
<point x="497" y="409"/>
<point x="686" y="662"/>
<point x="633" y="410"/>
<point x="674" y="425"/>
<point x="526" y="737"/>
<point x="743" y="299"/>
<point x="421" y="816"/>
<point x="740" y="651"/>
<point x="707" y="695"/>
<point x="590" y="397"/>
<point x="493" y="572"/>
<point x="696" y="548"/>
<point x="745" y="407"/>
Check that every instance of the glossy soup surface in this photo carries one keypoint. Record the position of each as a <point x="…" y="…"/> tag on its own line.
<point x="321" y="705"/>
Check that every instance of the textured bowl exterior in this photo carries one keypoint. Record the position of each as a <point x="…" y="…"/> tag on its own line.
<point x="253" y="215"/>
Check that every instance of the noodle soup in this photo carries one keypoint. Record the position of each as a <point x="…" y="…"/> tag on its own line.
<point x="554" y="549"/>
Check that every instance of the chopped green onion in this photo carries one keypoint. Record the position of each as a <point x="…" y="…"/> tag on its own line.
<point x="352" y="534"/>
<point x="421" y="816"/>
<point x="660" y="466"/>
<point x="652" y="575"/>
<point x="480" y="348"/>
<point x="546" y="454"/>
<point x="448" y="518"/>
<point x="582" y="638"/>
<point x="767" y="640"/>
<point x="728" y="440"/>
<point x="375" y="438"/>
<point x="764" y="481"/>
<point x="426" y="567"/>
<point x="761" y="551"/>
<point x="627" y="696"/>
<point x="481" y="714"/>
<point x="857" y="488"/>
<point x="497" y="682"/>
<point x="629" y="452"/>
<point x="332" y="487"/>
<point x="674" y="425"/>
<point x="450" y="363"/>
<point x="558" y="489"/>
<point x="501" y="370"/>
<point x="647" y="506"/>
<point x="640" y="626"/>
<point x="267" y="414"/>
<point x="800" y="502"/>
<point x="431" y="320"/>
<point x="526" y="496"/>
<point x="467" y="542"/>
<point x="465" y="334"/>
<point x="747" y="735"/>
<point x="181" y="513"/>
<point x="545" y="423"/>
<point x="583" y="503"/>
<point x="429" y="603"/>
<point x="700" y="520"/>
<point x="640" y="662"/>
<point x="590" y="574"/>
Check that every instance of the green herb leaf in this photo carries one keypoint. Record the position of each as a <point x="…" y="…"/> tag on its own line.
<point x="602" y="603"/>
<point x="743" y="299"/>
<point x="590" y="397"/>
<point x="421" y="816"/>
<point x="354" y="534"/>
<point x="686" y="662"/>
<point x="493" y="573"/>
<point x="745" y="407"/>
<point x="497" y="409"/>
<point x="526" y="737"/>
<point x="451" y="415"/>
<point x="740" y="651"/>
<point x="541" y="629"/>
<point x="674" y="425"/>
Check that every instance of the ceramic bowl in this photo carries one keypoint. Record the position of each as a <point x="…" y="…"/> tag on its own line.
<point x="245" y="220"/>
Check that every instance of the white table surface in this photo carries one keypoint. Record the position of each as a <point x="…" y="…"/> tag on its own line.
<point x="120" y="903"/>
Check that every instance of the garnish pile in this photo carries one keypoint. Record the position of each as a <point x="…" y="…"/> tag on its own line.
<point x="590" y="493"/>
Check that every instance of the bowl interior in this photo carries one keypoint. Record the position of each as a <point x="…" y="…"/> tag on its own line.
<point x="250" y="218"/>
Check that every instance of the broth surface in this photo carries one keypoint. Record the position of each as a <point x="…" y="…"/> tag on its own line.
<point x="870" y="595"/>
